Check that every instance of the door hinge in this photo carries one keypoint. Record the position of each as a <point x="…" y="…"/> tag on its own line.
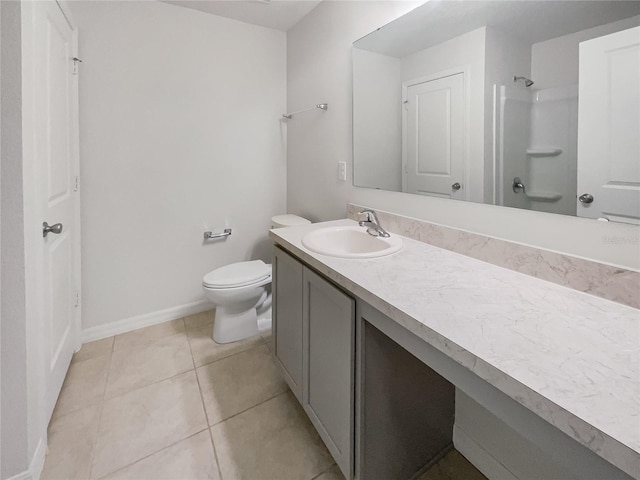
<point x="76" y="61"/>
<point x="76" y="185"/>
<point x="76" y="298"/>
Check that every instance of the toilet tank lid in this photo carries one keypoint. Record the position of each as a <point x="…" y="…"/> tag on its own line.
<point x="288" y="220"/>
<point x="237" y="274"/>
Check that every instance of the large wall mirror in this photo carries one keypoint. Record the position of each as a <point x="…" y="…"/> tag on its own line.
<point x="528" y="104"/>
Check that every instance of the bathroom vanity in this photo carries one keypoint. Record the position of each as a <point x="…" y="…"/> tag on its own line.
<point x="392" y="358"/>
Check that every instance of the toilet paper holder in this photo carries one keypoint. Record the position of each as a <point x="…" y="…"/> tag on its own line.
<point x="209" y="235"/>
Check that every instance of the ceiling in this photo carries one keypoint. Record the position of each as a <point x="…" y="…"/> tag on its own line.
<point x="531" y="21"/>
<point x="277" y="14"/>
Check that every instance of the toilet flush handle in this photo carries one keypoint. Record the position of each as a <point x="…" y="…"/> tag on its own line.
<point x="226" y="233"/>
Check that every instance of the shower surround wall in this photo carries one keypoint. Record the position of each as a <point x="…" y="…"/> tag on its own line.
<point x="179" y="133"/>
<point x="554" y="125"/>
<point x="537" y="142"/>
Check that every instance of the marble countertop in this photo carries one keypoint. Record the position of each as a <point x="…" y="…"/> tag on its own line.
<point x="571" y="358"/>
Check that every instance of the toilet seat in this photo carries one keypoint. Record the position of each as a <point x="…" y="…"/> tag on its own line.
<point x="240" y="274"/>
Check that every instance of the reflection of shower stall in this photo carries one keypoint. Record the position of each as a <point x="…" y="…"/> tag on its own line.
<point x="535" y="139"/>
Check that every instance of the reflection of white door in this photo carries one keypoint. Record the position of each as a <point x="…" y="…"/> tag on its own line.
<point x="434" y="137"/>
<point x="608" y="126"/>
<point x="51" y="130"/>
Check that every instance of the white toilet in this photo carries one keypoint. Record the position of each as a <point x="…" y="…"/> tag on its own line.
<point x="242" y="293"/>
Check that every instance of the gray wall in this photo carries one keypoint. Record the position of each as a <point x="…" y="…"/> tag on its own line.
<point x="14" y="456"/>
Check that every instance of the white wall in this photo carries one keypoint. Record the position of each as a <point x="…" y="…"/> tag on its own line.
<point x="14" y="454"/>
<point x="554" y="63"/>
<point x="180" y="132"/>
<point x="377" y="128"/>
<point x="319" y="69"/>
<point x="465" y="52"/>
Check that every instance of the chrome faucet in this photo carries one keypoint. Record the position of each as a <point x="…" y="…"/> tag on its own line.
<point x="373" y="224"/>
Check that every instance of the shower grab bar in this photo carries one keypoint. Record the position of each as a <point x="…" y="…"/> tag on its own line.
<point x="226" y="233"/>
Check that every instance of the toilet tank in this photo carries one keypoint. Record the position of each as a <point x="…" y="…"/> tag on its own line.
<point x="288" y="220"/>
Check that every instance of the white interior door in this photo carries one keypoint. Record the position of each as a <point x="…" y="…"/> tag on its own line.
<point x="55" y="147"/>
<point x="609" y="127"/>
<point x="434" y="137"/>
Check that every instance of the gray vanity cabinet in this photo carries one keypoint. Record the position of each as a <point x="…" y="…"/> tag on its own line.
<point x="314" y="330"/>
<point x="287" y="318"/>
<point x="328" y="365"/>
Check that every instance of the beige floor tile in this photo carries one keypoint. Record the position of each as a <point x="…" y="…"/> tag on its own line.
<point x="234" y="384"/>
<point x="268" y="340"/>
<point x="333" y="473"/>
<point x="191" y="459"/>
<point x="132" y="368"/>
<point x="205" y="350"/>
<point x="142" y="336"/>
<point x="453" y="466"/>
<point x="199" y="320"/>
<point x="93" y="349"/>
<point x="141" y="422"/>
<point x="70" y="442"/>
<point x="84" y="385"/>
<point x="273" y="441"/>
<point x="267" y="334"/>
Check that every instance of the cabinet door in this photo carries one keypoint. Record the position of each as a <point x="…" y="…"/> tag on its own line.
<point x="287" y="318"/>
<point x="328" y="395"/>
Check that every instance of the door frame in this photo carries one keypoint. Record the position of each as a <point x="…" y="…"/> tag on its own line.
<point x="465" y="70"/>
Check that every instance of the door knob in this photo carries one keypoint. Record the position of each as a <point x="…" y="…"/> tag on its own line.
<point x="518" y="185"/>
<point x="586" y="198"/>
<point x="46" y="229"/>
<point x="456" y="186"/>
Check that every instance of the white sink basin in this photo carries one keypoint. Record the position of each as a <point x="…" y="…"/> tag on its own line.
<point x="350" y="242"/>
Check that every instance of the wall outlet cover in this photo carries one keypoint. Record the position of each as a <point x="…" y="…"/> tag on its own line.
<point x="342" y="171"/>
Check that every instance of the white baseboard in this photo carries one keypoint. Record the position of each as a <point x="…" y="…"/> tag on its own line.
<point x="133" y="323"/>
<point x="36" y="465"/>
<point x="479" y="457"/>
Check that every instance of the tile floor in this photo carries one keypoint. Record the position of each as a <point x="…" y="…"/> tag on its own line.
<point x="167" y="402"/>
<point x="453" y="466"/>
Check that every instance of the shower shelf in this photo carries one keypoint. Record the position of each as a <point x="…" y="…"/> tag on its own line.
<point x="544" y="152"/>
<point x="543" y="196"/>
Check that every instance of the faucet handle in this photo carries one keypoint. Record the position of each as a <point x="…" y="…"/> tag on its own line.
<point x="371" y="215"/>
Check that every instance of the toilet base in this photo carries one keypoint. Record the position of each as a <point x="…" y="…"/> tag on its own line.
<point x="264" y="322"/>
<point x="242" y="320"/>
<point x="233" y="326"/>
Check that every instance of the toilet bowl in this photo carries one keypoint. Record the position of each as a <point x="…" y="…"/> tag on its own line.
<point x="242" y="294"/>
